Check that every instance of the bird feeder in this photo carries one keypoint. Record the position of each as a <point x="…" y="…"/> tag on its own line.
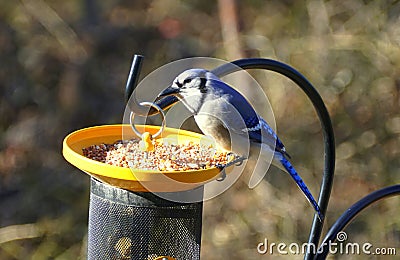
<point x="127" y="221"/>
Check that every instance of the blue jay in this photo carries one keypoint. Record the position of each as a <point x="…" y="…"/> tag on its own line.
<point x="210" y="100"/>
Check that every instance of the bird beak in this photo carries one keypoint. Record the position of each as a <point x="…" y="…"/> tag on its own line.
<point x="170" y="91"/>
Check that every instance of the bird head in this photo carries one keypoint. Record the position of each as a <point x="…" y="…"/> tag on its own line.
<point x="191" y="86"/>
<point x="191" y="82"/>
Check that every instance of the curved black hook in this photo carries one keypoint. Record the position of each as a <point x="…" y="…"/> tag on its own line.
<point x="351" y="213"/>
<point x="326" y="124"/>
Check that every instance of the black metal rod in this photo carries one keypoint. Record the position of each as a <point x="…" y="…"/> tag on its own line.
<point x="328" y="135"/>
<point x="133" y="76"/>
<point x="351" y="213"/>
<point x="131" y="85"/>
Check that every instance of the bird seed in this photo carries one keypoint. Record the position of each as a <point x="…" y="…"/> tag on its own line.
<point x="164" y="157"/>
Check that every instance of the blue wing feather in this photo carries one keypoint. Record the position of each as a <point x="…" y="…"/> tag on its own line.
<point x="258" y="129"/>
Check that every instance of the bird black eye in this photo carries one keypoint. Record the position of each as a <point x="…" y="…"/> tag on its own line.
<point x="187" y="80"/>
<point x="178" y="84"/>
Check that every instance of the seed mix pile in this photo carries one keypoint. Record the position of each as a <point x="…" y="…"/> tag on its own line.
<point x="164" y="157"/>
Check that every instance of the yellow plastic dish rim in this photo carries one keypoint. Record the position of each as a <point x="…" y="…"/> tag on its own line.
<point x="75" y="141"/>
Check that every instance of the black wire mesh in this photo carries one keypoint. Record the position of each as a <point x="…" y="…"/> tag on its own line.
<point x="140" y="225"/>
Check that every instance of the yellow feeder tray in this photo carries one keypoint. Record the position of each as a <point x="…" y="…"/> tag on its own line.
<point x="133" y="179"/>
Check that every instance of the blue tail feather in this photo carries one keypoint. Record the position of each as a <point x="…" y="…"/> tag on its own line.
<point x="300" y="183"/>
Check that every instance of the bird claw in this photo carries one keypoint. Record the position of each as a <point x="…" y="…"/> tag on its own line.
<point x="222" y="175"/>
<point x="237" y="161"/>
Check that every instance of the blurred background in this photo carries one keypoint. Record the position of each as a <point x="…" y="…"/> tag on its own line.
<point x="64" y="64"/>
